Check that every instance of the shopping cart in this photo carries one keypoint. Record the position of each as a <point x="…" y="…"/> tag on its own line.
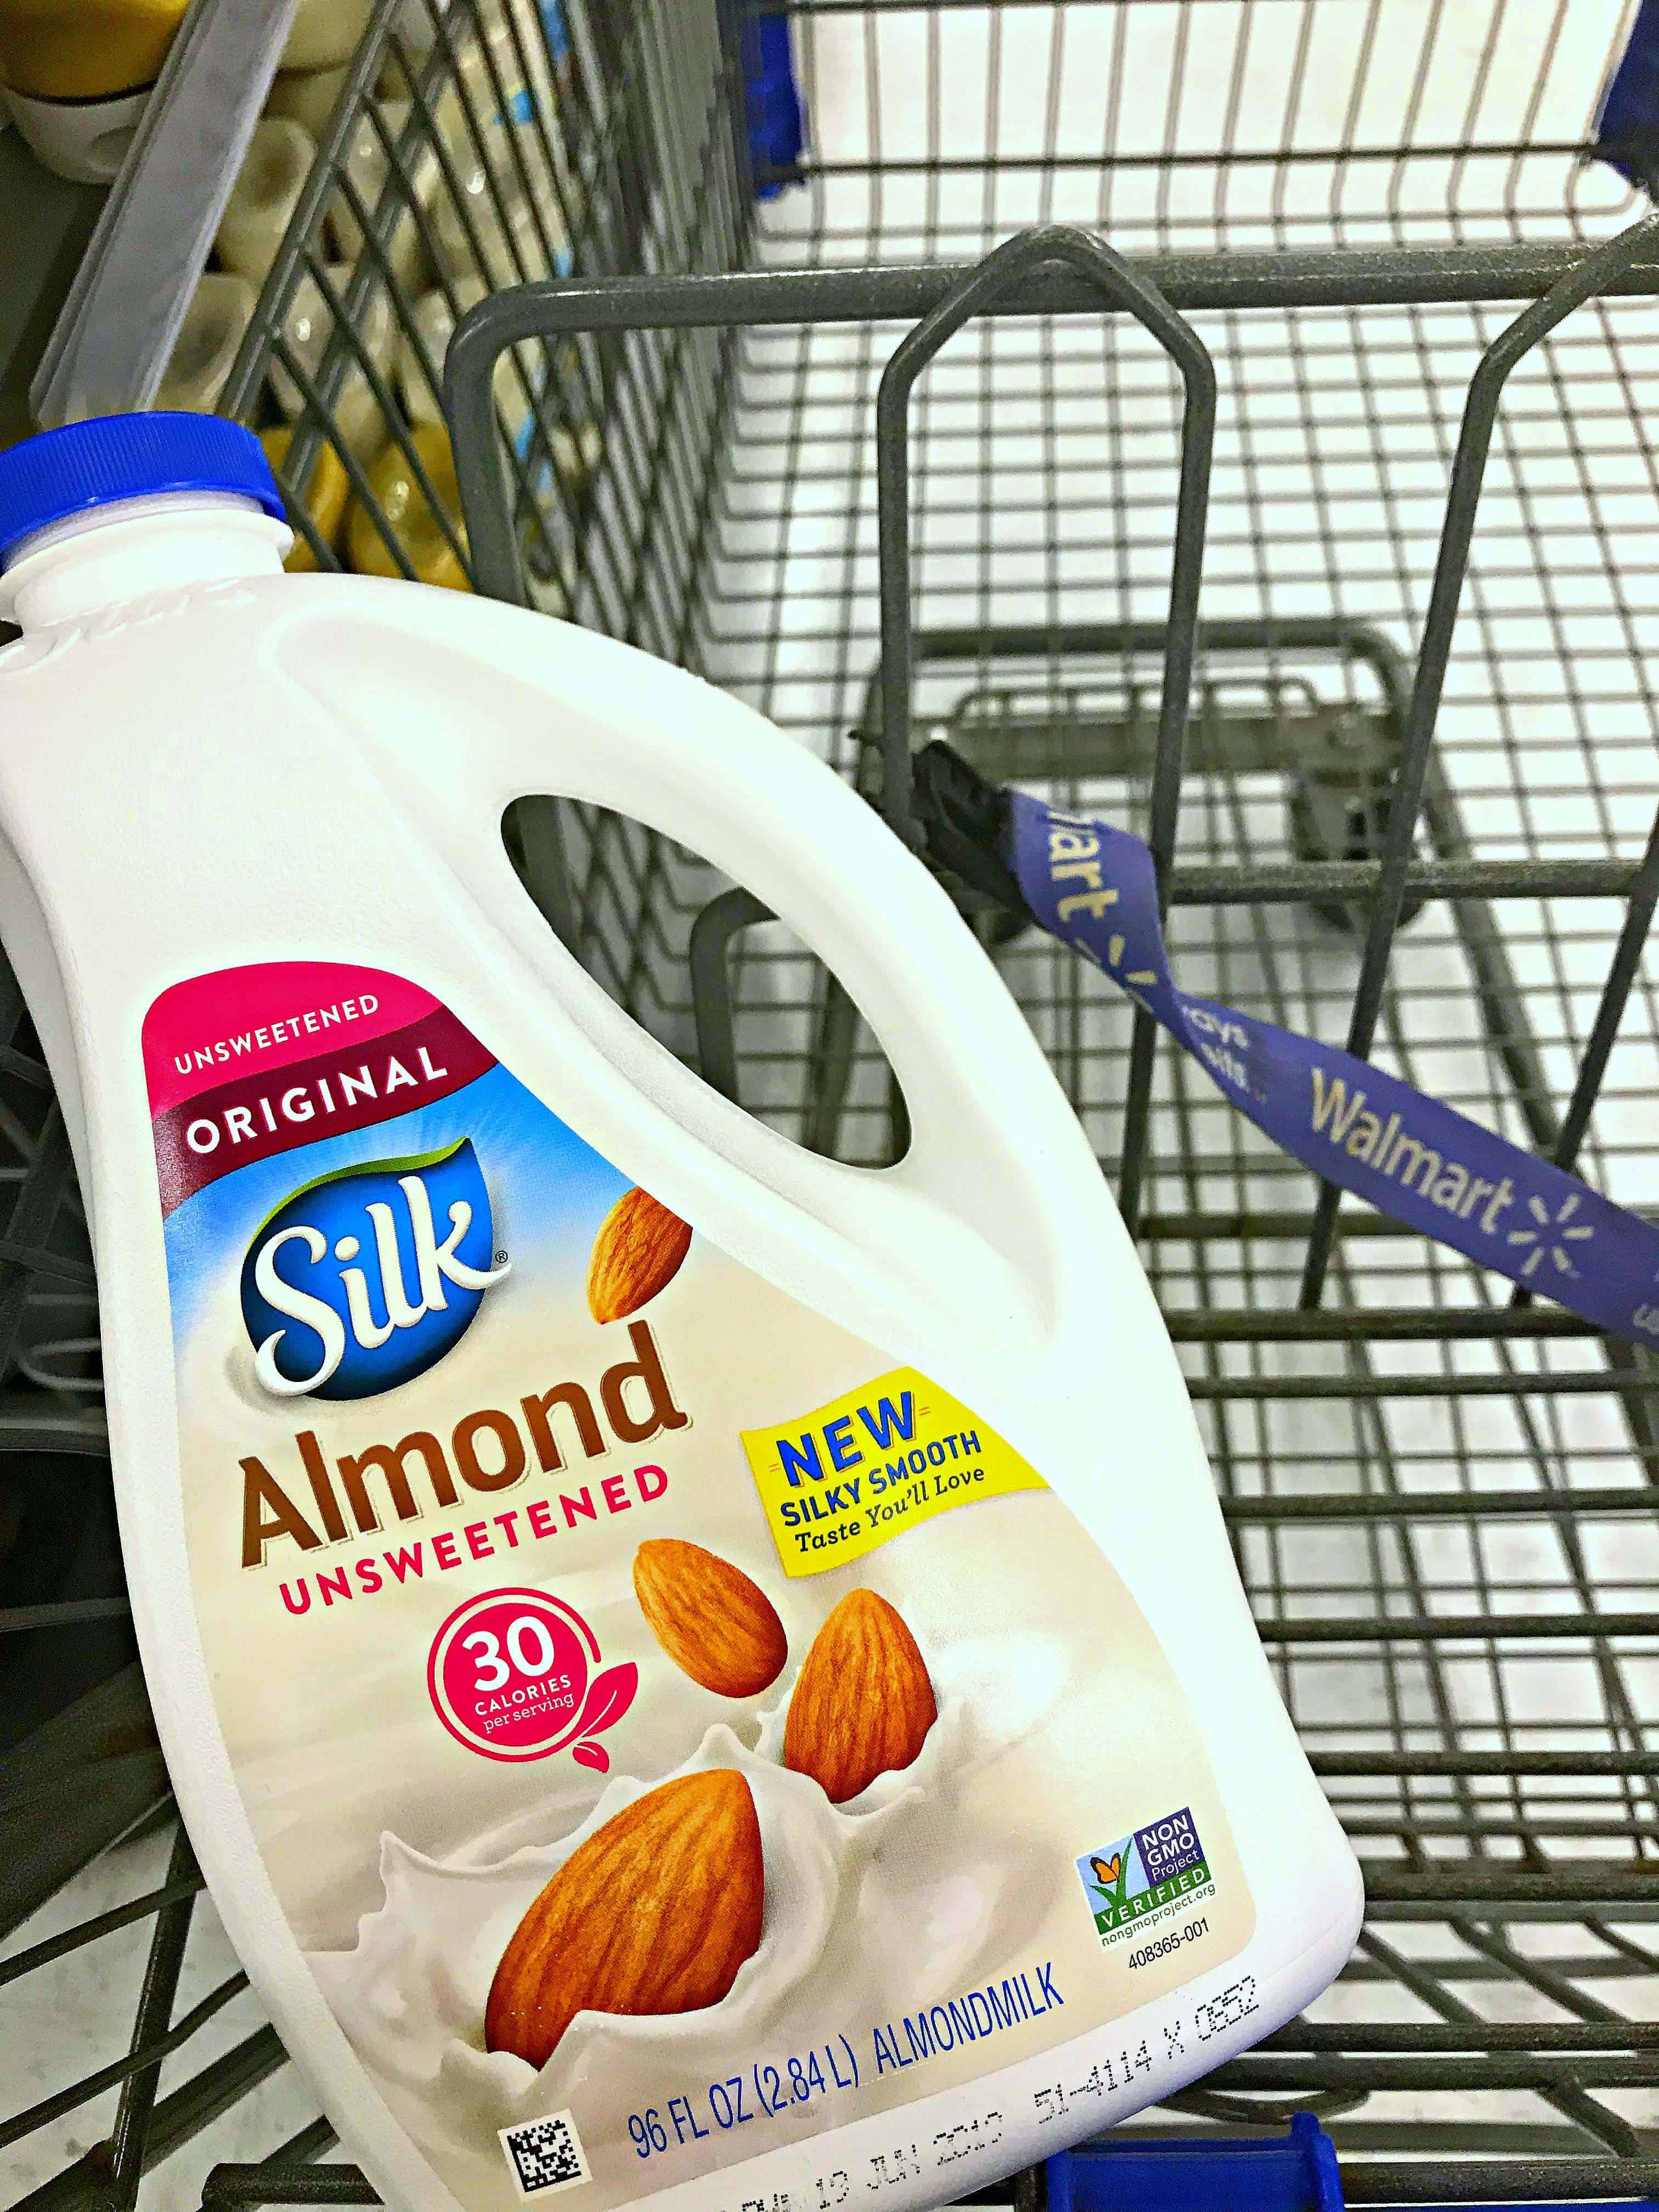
<point x="1412" y="807"/>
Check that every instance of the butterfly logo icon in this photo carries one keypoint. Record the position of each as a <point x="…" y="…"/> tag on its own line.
<point x="1107" y="1870"/>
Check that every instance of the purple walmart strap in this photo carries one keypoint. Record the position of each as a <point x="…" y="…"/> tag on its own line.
<point x="1093" y="887"/>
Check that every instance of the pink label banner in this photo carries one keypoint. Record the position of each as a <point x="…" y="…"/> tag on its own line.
<point x="258" y="1060"/>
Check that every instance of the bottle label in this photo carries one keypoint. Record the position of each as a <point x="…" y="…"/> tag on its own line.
<point x="673" y="1727"/>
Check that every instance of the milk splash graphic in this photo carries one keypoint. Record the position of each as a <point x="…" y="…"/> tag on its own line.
<point x="863" y="1921"/>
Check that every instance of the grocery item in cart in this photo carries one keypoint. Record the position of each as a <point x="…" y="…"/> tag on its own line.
<point x="432" y="538"/>
<point x="204" y="351"/>
<point x="310" y="327"/>
<point x="325" y="494"/>
<point x="77" y="78"/>
<point x="520" y="379"/>
<point x="308" y="97"/>
<point x="366" y="162"/>
<point x="263" y="199"/>
<point x="690" y="1668"/>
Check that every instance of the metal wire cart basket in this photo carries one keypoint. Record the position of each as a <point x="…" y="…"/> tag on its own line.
<point x="1412" y="807"/>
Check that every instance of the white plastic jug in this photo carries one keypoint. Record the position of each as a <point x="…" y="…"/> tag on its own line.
<point x="694" y="1671"/>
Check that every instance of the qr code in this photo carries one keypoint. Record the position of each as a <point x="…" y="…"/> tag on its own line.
<point x="545" y="2155"/>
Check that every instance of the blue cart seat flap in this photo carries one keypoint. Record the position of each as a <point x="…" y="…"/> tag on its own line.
<point x="1627" y="122"/>
<point x="776" y="126"/>
<point x="1296" y="2173"/>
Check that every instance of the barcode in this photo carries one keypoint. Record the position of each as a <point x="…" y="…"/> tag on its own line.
<point x="545" y="2155"/>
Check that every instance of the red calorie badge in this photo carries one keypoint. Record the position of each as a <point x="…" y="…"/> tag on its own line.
<point x="516" y="1674"/>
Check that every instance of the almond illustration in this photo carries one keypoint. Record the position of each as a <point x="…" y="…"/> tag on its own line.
<point x="714" y="1623"/>
<point x="654" y="1913"/>
<point x="864" y="1704"/>
<point x="638" y="1252"/>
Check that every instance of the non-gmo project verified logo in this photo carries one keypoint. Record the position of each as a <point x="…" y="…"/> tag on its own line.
<point x="1144" y="1872"/>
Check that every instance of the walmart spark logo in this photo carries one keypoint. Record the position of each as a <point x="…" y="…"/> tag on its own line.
<point x="1551" y="1237"/>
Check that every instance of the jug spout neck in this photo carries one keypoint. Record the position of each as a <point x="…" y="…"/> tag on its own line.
<point x="93" y="560"/>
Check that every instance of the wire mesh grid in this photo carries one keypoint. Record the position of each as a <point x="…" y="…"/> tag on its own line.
<point x="476" y="145"/>
<point x="1440" y="1499"/>
<point x="1193" y="124"/>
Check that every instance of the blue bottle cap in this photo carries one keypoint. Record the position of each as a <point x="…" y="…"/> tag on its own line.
<point x="87" y="464"/>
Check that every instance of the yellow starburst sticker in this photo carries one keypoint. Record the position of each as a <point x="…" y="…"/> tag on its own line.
<point x="854" y="1474"/>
